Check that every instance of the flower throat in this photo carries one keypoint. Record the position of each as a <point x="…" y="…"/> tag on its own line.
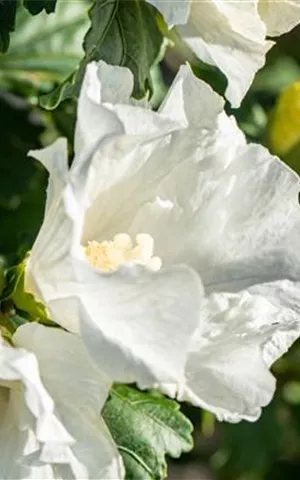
<point x="108" y="256"/>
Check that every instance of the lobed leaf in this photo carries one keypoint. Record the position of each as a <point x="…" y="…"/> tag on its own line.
<point x="146" y="428"/>
<point x="122" y="32"/>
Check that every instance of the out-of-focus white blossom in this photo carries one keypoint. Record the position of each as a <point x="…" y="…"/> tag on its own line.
<point x="231" y="34"/>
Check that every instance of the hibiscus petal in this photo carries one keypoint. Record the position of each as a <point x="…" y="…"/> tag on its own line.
<point x="114" y="210"/>
<point x="284" y="296"/>
<point x="241" y="336"/>
<point x="53" y="241"/>
<point x="30" y="420"/>
<point x="48" y="263"/>
<point x="279" y="17"/>
<point x="79" y="390"/>
<point x="175" y="13"/>
<point x="127" y="320"/>
<point x="114" y="141"/>
<point x="14" y="444"/>
<point x="260" y="233"/>
<point x="55" y="160"/>
<point x="16" y="364"/>
<point x="112" y="131"/>
<point x="233" y="215"/>
<point x="231" y="36"/>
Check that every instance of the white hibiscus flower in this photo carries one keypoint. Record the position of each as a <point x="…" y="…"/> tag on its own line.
<point x="231" y="34"/>
<point x="186" y="180"/>
<point x="51" y="396"/>
<point x="116" y="282"/>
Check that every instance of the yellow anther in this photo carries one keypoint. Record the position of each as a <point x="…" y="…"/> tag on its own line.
<point x="108" y="256"/>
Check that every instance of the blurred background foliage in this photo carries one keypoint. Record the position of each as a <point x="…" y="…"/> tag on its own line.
<point x="43" y="52"/>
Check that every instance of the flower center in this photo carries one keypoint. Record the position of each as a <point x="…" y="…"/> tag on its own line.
<point x="108" y="256"/>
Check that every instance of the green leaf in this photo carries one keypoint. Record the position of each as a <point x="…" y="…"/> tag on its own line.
<point x="64" y="91"/>
<point x="23" y="301"/>
<point x="47" y="48"/>
<point x="125" y="32"/>
<point x="122" y="32"/>
<point x="146" y="427"/>
<point x="8" y="9"/>
<point x="36" y="6"/>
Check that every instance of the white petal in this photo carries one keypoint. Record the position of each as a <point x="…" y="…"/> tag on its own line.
<point x="53" y="243"/>
<point x="80" y="391"/>
<point x="187" y="216"/>
<point x="17" y="364"/>
<point x="137" y="324"/>
<point x="242" y="335"/>
<point x="109" y="129"/>
<point x="279" y="16"/>
<point x="261" y="230"/>
<point x="174" y="13"/>
<point x="63" y="359"/>
<point x="55" y="160"/>
<point x="192" y="102"/>
<point x="95" y="173"/>
<point x="49" y="262"/>
<point x="234" y="216"/>
<point x="94" y="121"/>
<point x="231" y="36"/>
<point x="116" y="83"/>
<point x="284" y="295"/>
<point x="30" y="420"/>
<point x="14" y="443"/>
<point x="195" y="108"/>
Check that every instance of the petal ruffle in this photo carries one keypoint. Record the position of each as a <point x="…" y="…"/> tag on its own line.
<point x="112" y="145"/>
<point x="231" y="36"/>
<point x="55" y="160"/>
<point x="114" y="134"/>
<point x="259" y="237"/>
<point x="128" y="320"/>
<point x="79" y="390"/>
<point x="30" y="421"/>
<point x="279" y="17"/>
<point x="233" y="215"/>
<point x="242" y="335"/>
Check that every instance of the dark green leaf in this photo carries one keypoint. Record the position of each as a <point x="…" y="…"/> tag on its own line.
<point x="146" y="428"/>
<point x="36" y="6"/>
<point x="122" y="32"/>
<point x="8" y="9"/>
<point x="64" y="91"/>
